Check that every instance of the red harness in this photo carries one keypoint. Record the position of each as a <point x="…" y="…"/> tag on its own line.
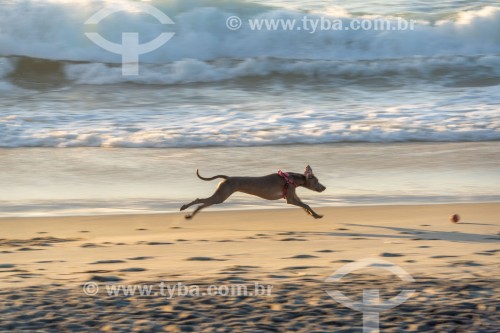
<point x="288" y="182"/>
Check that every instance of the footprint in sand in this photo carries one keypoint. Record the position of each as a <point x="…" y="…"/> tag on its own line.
<point x="484" y="254"/>
<point x="241" y="267"/>
<point x="159" y="243"/>
<point x="98" y="262"/>
<point x="27" y="275"/>
<point x="153" y="243"/>
<point x="443" y="257"/>
<point x="292" y="239"/>
<point x="101" y="278"/>
<point x="277" y="276"/>
<point x="302" y="256"/>
<point x="28" y="249"/>
<point x="140" y="258"/>
<point x="98" y="271"/>
<point x="325" y="251"/>
<point x="488" y="252"/>
<point x="301" y="267"/>
<point x="391" y="255"/>
<point x="469" y="263"/>
<point x="91" y="245"/>
<point x="378" y="264"/>
<point x="238" y="269"/>
<point x="132" y="269"/>
<point x="141" y="229"/>
<point x="204" y="259"/>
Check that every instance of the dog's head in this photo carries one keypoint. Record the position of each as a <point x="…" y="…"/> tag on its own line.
<point x="312" y="182"/>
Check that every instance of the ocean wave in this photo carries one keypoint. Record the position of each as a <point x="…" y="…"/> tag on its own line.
<point x="55" y="30"/>
<point x="447" y="70"/>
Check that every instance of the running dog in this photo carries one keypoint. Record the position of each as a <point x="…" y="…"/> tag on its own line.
<point x="271" y="187"/>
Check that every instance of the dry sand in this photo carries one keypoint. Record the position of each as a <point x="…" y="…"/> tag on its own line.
<point x="45" y="261"/>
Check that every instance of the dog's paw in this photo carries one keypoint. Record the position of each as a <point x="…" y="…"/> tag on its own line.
<point x="183" y="207"/>
<point x="188" y="217"/>
<point x="318" y="216"/>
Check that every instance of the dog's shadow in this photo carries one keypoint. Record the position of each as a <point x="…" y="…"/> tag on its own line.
<point x="402" y="233"/>
<point x="421" y="234"/>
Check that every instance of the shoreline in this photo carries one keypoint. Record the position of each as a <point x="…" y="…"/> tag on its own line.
<point x="282" y="206"/>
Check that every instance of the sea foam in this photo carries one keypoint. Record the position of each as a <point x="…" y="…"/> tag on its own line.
<point x="56" y="30"/>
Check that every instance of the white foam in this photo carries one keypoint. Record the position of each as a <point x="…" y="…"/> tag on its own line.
<point x="55" y="30"/>
<point x="471" y="115"/>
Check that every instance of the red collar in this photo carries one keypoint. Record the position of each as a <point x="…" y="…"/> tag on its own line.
<point x="288" y="182"/>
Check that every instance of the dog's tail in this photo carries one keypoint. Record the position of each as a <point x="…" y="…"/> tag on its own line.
<point x="211" y="178"/>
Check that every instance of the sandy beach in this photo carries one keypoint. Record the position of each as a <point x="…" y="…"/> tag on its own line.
<point x="46" y="262"/>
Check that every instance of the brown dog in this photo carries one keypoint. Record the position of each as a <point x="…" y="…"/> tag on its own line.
<point x="270" y="187"/>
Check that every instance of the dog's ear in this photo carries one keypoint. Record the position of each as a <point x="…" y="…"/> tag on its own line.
<point x="309" y="172"/>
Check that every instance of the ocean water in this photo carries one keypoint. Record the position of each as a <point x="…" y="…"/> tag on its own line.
<point x="253" y="94"/>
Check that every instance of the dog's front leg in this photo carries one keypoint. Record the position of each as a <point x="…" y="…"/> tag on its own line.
<point x="293" y="200"/>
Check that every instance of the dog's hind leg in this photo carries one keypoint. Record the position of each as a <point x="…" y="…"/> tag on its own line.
<point x="224" y="191"/>
<point x="194" y="202"/>
<point x="200" y="207"/>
